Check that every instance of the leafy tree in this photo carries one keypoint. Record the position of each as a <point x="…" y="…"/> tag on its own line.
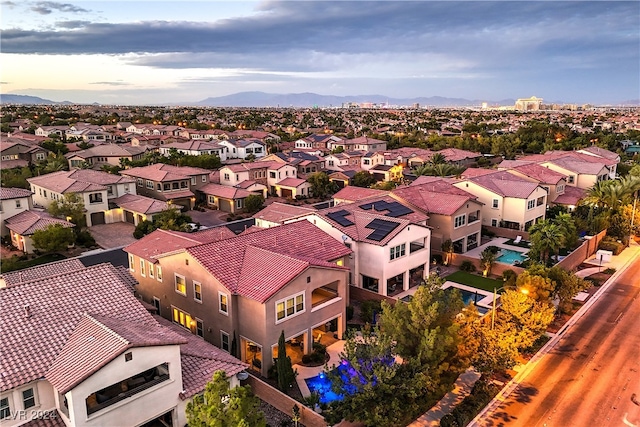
<point x="566" y="286"/>
<point x="487" y="260"/>
<point x="363" y="179"/>
<point x="71" y="208"/>
<point x="568" y="228"/>
<point x="498" y="348"/>
<point x="524" y="317"/>
<point x="16" y="178"/>
<point x="221" y="406"/>
<point x="546" y="237"/>
<point x="171" y="219"/>
<point x="55" y="146"/>
<point x="54" y="162"/>
<point x="537" y="286"/>
<point x="286" y="374"/>
<point x="204" y="161"/>
<point x="321" y="186"/>
<point x="447" y="249"/>
<point x="437" y="159"/>
<point x="253" y="203"/>
<point x="54" y="238"/>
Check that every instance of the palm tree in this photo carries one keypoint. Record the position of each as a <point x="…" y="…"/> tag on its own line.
<point x="487" y="259"/>
<point x="568" y="228"/>
<point x="437" y="159"/>
<point x="546" y="237"/>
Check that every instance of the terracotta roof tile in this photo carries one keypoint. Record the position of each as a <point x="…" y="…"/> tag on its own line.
<point x="540" y="173"/>
<point x="13" y="193"/>
<point x="292" y="182"/>
<point x="50" y="419"/>
<point x="438" y="197"/>
<point x="161" y="172"/>
<point x="141" y="204"/>
<point x="28" y="222"/>
<point x="224" y="191"/>
<point x="280" y="212"/>
<point x="571" y="196"/>
<point x="42" y="271"/>
<point x="505" y="184"/>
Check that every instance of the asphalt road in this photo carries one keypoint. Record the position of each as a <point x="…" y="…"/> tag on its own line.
<point x="592" y="375"/>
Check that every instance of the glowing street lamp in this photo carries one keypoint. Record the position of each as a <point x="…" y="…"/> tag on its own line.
<point x="524" y="291"/>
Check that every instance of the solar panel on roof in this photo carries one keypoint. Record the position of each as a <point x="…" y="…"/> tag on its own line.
<point x="381" y="229"/>
<point x="366" y="206"/>
<point x="397" y="210"/>
<point x="339" y="217"/>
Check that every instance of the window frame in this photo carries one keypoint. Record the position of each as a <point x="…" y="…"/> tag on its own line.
<point x="159" y="273"/>
<point x="132" y="262"/>
<point x="460" y="221"/>
<point x="5" y="409"/>
<point x="199" y="327"/>
<point x="397" y="251"/>
<point x="151" y="270"/>
<point x="196" y="293"/>
<point x="495" y="204"/>
<point x="142" y="268"/>
<point x="222" y="342"/>
<point x="175" y="285"/>
<point x="222" y="295"/>
<point x="33" y="397"/>
<point x="290" y="307"/>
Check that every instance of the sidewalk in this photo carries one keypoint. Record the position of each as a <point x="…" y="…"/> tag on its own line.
<point x="620" y="263"/>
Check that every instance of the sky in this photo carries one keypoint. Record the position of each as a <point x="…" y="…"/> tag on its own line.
<point x="160" y="52"/>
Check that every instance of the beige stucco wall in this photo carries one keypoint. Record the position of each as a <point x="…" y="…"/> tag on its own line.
<point x="45" y="401"/>
<point x="136" y="409"/>
<point x="9" y="209"/>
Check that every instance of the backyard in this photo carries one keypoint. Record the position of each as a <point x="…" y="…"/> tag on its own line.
<point x="474" y="280"/>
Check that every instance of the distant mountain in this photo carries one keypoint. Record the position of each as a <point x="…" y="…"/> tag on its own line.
<point x="631" y="102"/>
<point x="262" y="99"/>
<point x="26" y="99"/>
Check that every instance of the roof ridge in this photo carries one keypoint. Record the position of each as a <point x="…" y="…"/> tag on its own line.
<point x="90" y="268"/>
<point x="106" y="328"/>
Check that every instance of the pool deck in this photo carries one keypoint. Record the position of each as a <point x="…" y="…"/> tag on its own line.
<point x="305" y="372"/>
<point x="498" y="242"/>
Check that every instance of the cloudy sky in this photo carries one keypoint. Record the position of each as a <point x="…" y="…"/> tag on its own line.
<point x="154" y="52"/>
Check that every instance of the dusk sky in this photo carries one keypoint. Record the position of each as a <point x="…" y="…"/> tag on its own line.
<point x="159" y="52"/>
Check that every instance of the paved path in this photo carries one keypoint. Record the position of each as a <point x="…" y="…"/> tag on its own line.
<point x="113" y="235"/>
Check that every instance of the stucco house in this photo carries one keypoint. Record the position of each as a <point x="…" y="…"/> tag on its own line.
<point x="92" y="355"/>
<point x="105" y="154"/>
<point x="12" y="202"/>
<point x="241" y="292"/>
<point x="243" y="148"/>
<point x="23" y="225"/>
<point x="195" y="148"/>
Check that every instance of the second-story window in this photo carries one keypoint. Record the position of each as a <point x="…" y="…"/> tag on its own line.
<point x="494" y="204"/>
<point x="150" y="185"/>
<point x="289" y="307"/>
<point x="181" y="284"/>
<point x="95" y="198"/>
<point x="197" y="291"/>
<point x="193" y="180"/>
<point x="459" y="221"/>
<point x="397" y="251"/>
<point x="223" y="300"/>
<point x="531" y="204"/>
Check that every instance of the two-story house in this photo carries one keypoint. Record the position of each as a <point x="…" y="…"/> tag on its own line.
<point x="362" y="143"/>
<point x="241" y="292"/>
<point x="552" y="181"/>
<point x="508" y="200"/>
<point x="195" y="148"/>
<point x="243" y="148"/>
<point x="15" y="150"/>
<point x="12" y="202"/>
<point x="279" y="179"/>
<point x="318" y="143"/>
<point x="88" y="353"/>
<point x="23" y="226"/>
<point x="171" y="184"/>
<point x="390" y="242"/>
<point x="105" y="154"/>
<point x="454" y="214"/>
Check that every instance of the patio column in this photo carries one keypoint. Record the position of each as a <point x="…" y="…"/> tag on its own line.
<point x="405" y="280"/>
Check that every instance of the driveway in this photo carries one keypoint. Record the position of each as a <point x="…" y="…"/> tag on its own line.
<point x="113" y="235"/>
<point x="208" y="218"/>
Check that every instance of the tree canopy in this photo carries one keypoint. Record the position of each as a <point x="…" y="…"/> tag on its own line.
<point x="54" y="238"/>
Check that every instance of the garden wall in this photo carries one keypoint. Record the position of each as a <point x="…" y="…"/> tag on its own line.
<point x="583" y="252"/>
<point x="284" y="403"/>
<point x="506" y="232"/>
<point x="360" y="294"/>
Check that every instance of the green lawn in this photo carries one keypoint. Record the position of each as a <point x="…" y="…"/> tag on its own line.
<point x="11" y="264"/>
<point x="474" y="280"/>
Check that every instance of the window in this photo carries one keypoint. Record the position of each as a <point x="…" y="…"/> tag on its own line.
<point x="181" y="284"/>
<point x="289" y="307"/>
<point x="223" y="300"/>
<point x="18" y="204"/>
<point x="44" y="193"/>
<point x="212" y="200"/>
<point x="181" y="318"/>
<point x="459" y="221"/>
<point x="142" y="271"/>
<point x="199" y="328"/>
<point x="131" y="263"/>
<point x="151" y="270"/>
<point x="224" y="341"/>
<point x="158" y="187"/>
<point x="95" y="198"/>
<point x="126" y="188"/>
<point x="193" y="180"/>
<point x="140" y="182"/>
<point x="494" y="204"/>
<point x="184" y="184"/>
<point x="204" y="178"/>
<point x="272" y="174"/>
<point x="166" y="186"/>
<point x="560" y="189"/>
<point x="175" y="185"/>
<point x="156" y="304"/>
<point x="159" y="273"/>
<point x="494" y="222"/>
<point x="571" y="178"/>
<point x="150" y="185"/>
<point x="531" y="204"/>
<point x="197" y="291"/>
<point x="226" y="177"/>
<point x="5" y="409"/>
<point x="28" y="398"/>
<point x="239" y="203"/>
<point x="397" y="251"/>
<point x="110" y="190"/>
<point x="540" y="201"/>
<point x="128" y="357"/>
<point x="39" y="156"/>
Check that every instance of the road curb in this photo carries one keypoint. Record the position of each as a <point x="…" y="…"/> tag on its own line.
<point x="522" y="374"/>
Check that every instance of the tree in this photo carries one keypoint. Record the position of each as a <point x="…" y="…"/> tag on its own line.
<point x="71" y="208"/>
<point x="286" y="374"/>
<point x="524" y="317"/>
<point x="253" y="203"/>
<point x="171" y="219"/>
<point x="546" y="237"/>
<point x="54" y="162"/>
<point x="321" y="186"/>
<point x="220" y="406"/>
<point x="487" y="259"/>
<point x="54" y="238"/>
<point x="568" y="228"/>
<point x="447" y="249"/>
<point x="437" y="159"/>
<point x="537" y="286"/>
<point x="566" y="286"/>
<point x="363" y="179"/>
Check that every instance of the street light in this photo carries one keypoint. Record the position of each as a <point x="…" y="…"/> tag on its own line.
<point x="495" y="296"/>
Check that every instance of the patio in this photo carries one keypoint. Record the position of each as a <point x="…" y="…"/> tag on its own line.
<point x="499" y="242"/>
<point x="305" y="372"/>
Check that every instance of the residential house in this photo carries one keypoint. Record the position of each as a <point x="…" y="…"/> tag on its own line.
<point x="12" y="202"/>
<point x="96" y="188"/>
<point x="246" y="289"/>
<point x="386" y="173"/>
<point x="582" y="170"/>
<point x="195" y="148"/>
<point x="344" y="161"/>
<point x="23" y="225"/>
<point x="362" y="143"/>
<point x="105" y="154"/>
<point x="223" y="197"/>
<point x="172" y="184"/>
<point x="278" y="213"/>
<point x="319" y="143"/>
<point x="45" y="131"/>
<point x="268" y="174"/>
<point x="92" y="355"/>
<point x="390" y="242"/>
<point x="454" y="214"/>
<point x="244" y="148"/>
<point x="344" y="178"/>
<point x="508" y="201"/>
<point x="304" y="162"/>
<point x="371" y="159"/>
<point x="352" y="193"/>
<point x="13" y="149"/>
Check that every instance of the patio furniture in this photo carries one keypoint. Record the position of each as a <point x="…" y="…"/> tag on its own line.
<point x="517" y="239"/>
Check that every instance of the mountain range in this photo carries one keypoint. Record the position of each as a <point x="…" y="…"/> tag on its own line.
<point x="301" y="100"/>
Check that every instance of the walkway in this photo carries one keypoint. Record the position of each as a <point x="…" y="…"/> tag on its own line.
<point x="305" y="372"/>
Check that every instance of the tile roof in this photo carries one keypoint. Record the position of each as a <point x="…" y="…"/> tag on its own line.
<point x="247" y="166"/>
<point x="601" y="152"/>
<point x="294" y="244"/>
<point x="141" y="204"/>
<point x="41" y="271"/>
<point x="571" y="196"/>
<point x="200" y="360"/>
<point x="96" y="341"/>
<point x="77" y="181"/>
<point x="162" y="242"/>
<point x="291" y="182"/>
<point x="14" y="193"/>
<point x="28" y="222"/>
<point x="160" y="172"/>
<point x="578" y="166"/>
<point x="14" y="163"/>
<point x="48" y="419"/>
<point x="224" y="191"/>
<point x="108" y="150"/>
<point x="279" y="212"/>
<point x="505" y="184"/>
<point x="542" y="174"/>
<point x="352" y="193"/>
<point x="439" y="197"/>
<point x="456" y="154"/>
<point x="37" y="317"/>
<point x="195" y="145"/>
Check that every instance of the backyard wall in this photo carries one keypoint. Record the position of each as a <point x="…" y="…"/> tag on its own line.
<point x="507" y="232"/>
<point x="583" y="252"/>
<point x="361" y="294"/>
<point x="284" y="403"/>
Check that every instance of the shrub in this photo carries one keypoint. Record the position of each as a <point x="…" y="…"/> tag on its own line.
<point x="84" y="238"/>
<point x="367" y="309"/>
<point x="493" y="249"/>
<point x="609" y="244"/>
<point x="509" y="277"/>
<point x="609" y="270"/>
<point x="467" y="266"/>
<point x="436" y="259"/>
<point x="471" y="405"/>
<point x="349" y="312"/>
<point x="306" y="358"/>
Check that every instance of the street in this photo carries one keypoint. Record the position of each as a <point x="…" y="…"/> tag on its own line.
<point x="592" y="375"/>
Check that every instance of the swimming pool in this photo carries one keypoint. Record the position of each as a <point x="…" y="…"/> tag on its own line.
<point x="321" y="385"/>
<point x="507" y="256"/>
<point x="468" y="297"/>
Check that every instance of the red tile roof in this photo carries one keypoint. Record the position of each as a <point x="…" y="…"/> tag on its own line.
<point x="78" y="181"/>
<point x="438" y="197"/>
<point x="505" y="184"/>
<point x="279" y="212"/>
<point x="37" y="317"/>
<point x="163" y="242"/>
<point x="161" y="172"/>
<point x="540" y="173"/>
<point x="141" y="204"/>
<point x="602" y="152"/>
<point x="224" y="191"/>
<point x="28" y="222"/>
<point x="352" y="193"/>
<point x="41" y="271"/>
<point x="14" y="193"/>
<point x="48" y="419"/>
<point x="294" y="244"/>
<point x="291" y="182"/>
<point x="96" y="341"/>
<point x="571" y="196"/>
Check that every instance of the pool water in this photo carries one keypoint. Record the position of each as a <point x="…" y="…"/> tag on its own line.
<point x="508" y="256"/>
<point x="321" y="384"/>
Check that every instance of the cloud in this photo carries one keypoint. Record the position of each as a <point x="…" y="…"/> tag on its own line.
<point x="8" y="3"/>
<point x="48" y="7"/>
<point x="116" y="83"/>
<point x="71" y="25"/>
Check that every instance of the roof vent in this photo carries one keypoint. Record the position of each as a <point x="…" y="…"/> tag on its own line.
<point x="27" y="311"/>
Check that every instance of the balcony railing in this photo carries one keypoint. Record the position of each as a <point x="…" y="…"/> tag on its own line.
<point x="322" y="295"/>
<point x="416" y="246"/>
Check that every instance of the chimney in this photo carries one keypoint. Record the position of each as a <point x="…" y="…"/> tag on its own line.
<point x="27" y="311"/>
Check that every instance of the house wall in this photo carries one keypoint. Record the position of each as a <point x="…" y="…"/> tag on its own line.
<point x="45" y="401"/>
<point x="486" y="197"/>
<point x="234" y="178"/>
<point x="139" y="408"/>
<point x="12" y="207"/>
<point x="443" y="226"/>
<point x="281" y="173"/>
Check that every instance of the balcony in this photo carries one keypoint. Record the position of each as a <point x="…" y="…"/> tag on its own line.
<point x="416" y="246"/>
<point x="324" y="295"/>
<point x="125" y="389"/>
